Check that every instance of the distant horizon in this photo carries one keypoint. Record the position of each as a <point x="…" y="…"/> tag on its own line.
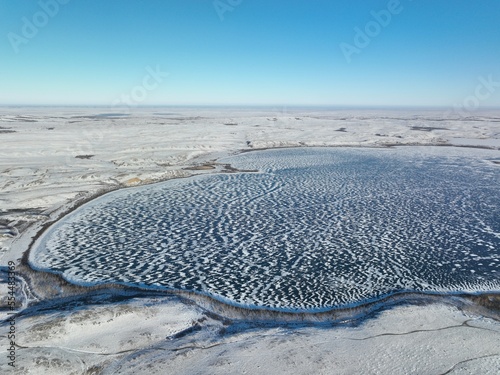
<point x="247" y="106"/>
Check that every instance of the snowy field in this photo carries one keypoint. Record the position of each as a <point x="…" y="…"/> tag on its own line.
<point x="55" y="159"/>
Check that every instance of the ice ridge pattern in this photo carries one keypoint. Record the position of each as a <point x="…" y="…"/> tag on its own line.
<point x="315" y="228"/>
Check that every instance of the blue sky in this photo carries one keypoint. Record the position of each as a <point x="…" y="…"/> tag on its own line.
<point x="249" y="52"/>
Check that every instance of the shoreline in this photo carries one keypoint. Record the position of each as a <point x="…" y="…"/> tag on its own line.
<point x="487" y="303"/>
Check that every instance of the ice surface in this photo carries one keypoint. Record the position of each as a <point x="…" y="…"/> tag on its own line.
<point x="315" y="228"/>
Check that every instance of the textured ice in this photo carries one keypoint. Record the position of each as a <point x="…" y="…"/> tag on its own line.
<point x="314" y="228"/>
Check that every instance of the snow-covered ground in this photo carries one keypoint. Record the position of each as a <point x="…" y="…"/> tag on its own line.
<point x="54" y="158"/>
<point x="166" y="336"/>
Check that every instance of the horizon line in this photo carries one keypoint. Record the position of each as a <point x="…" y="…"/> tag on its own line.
<point x="322" y="106"/>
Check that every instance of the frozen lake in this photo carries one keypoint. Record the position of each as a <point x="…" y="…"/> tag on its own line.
<point x="314" y="228"/>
